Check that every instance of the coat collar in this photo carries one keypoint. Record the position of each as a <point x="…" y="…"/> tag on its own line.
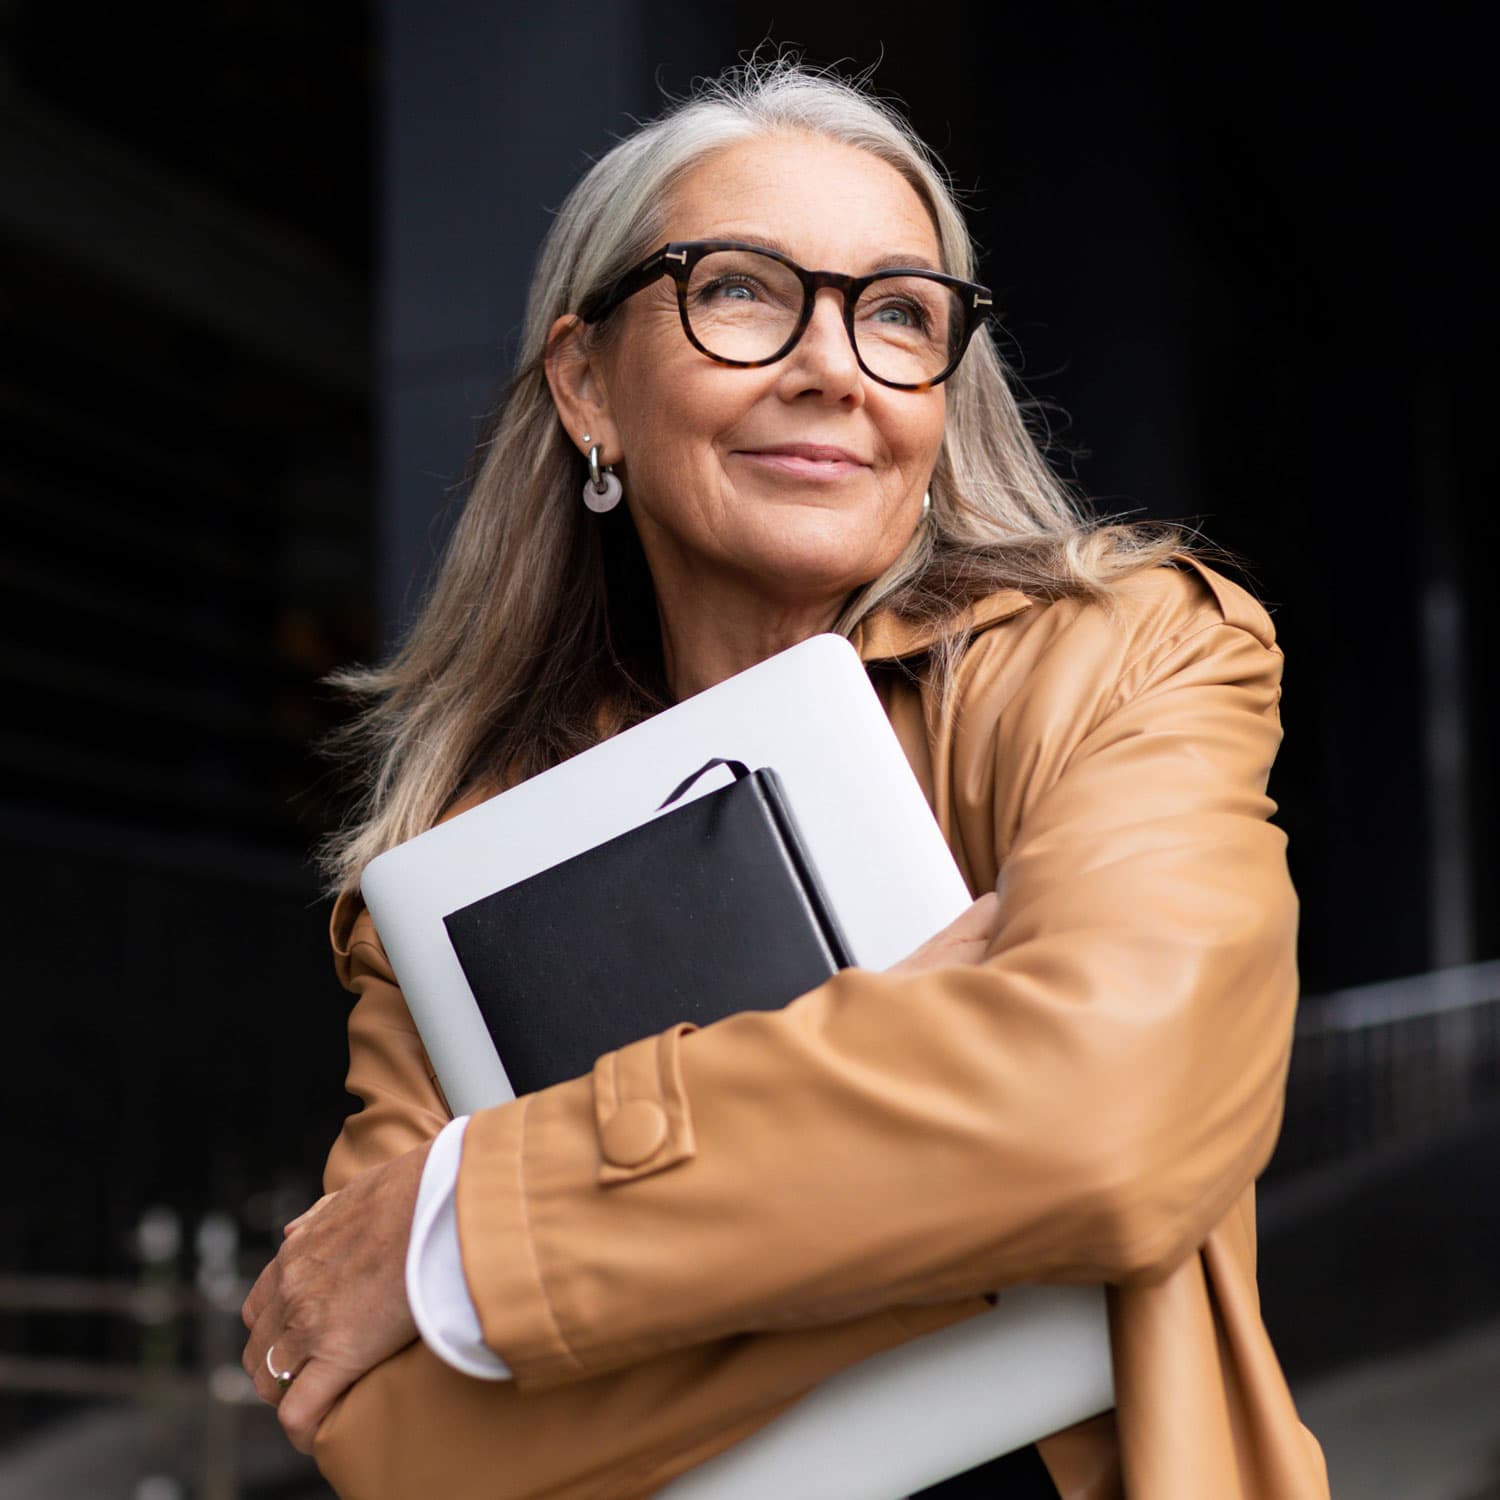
<point x="881" y="636"/>
<point x="885" y="636"/>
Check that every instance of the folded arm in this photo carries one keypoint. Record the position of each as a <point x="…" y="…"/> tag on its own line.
<point x="416" y="1426"/>
<point x="1083" y="1105"/>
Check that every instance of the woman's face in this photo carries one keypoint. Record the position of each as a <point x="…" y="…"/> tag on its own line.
<point x="802" y="479"/>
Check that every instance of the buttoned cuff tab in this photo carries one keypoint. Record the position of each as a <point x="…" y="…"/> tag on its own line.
<point x="641" y="1108"/>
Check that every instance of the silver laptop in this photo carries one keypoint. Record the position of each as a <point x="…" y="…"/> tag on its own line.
<point x="913" y="1415"/>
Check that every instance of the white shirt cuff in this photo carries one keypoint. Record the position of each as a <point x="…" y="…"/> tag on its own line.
<point x="436" y="1286"/>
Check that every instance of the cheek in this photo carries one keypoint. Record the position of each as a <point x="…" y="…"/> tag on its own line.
<point x="934" y="418"/>
<point x="913" y="432"/>
<point x="670" y="413"/>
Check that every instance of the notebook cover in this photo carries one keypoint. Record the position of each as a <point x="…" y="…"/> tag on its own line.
<point x="707" y="910"/>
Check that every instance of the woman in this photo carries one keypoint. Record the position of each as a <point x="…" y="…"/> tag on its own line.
<point x="1078" y="1081"/>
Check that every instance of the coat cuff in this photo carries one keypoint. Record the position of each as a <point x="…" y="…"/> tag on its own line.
<point x="495" y="1234"/>
<point x="441" y="1305"/>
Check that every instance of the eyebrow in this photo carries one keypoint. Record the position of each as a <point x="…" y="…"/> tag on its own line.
<point x="901" y="259"/>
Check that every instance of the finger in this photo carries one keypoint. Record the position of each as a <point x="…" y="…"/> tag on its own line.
<point x="301" y="1411"/>
<point x="980" y="917"/>
<point x="265" y="1316"/>
<point x="913" y="963"/>
<point x="306" y="1214"/>
<point x="268" y="1323"/>
<point x="968" y="952"/>
<point x="280" y="1353"/>
<point x="262" y="1293"/>
<point x="976" y="923"/>
<point x="959" y="955"/>
<point x="946" y="950"/>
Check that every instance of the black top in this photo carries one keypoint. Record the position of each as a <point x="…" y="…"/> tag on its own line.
<point x="1015" y="1476"/>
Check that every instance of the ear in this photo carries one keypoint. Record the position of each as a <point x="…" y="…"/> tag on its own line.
<point x="578" y="391"/>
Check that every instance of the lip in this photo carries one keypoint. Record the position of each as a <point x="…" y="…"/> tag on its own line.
<point x="805" y="460"/>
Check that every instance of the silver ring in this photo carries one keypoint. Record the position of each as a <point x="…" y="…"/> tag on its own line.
<point x="283" y="1378"/>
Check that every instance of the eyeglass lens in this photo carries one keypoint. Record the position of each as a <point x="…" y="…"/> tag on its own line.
<point x="744" y="306"/>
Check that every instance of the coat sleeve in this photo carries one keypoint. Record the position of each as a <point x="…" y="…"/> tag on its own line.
<point x="414" y="1426"/>
<point x="401" y="1103"/>
<point x="1082" y="1106"/>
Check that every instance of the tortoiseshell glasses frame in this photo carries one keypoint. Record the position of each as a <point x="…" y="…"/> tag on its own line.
<point x="678" y="259"/>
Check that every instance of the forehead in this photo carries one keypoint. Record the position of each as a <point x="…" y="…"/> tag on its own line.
<point x="831" y="206"/>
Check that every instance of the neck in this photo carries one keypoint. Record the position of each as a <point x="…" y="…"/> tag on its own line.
<point x="708" y="635"/>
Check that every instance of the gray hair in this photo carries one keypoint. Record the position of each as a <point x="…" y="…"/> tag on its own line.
<point x="533" y="642"/>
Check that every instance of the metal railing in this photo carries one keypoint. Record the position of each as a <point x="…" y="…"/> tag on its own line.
<point x="198" y="1379"/>
<point x="1387" y="1063"/>
<point x="1371" y="1066"/>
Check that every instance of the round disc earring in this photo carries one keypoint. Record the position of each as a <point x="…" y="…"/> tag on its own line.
<point x="601" y="490"/>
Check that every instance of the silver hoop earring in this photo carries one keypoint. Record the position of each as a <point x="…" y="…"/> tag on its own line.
<point x="926" y="504"/>
<point x="601" y="491"/>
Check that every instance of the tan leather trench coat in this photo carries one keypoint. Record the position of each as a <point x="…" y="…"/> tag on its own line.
<point x="671" y="1251"/>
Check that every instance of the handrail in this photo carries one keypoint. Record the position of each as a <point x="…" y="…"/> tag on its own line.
<point x="1410" y="998"/>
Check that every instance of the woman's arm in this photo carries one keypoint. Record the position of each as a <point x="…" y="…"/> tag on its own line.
<point x="332" y="1303"/>
<point x="1082" y="1106"/>
<point x="414" y="1426"/>
<point x="1175" y="736"/>
<point x="401" y="1105"/>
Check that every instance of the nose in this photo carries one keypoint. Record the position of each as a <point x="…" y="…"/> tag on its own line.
<point x="823" y="362"/>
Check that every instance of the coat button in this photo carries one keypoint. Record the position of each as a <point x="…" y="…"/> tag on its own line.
<point x="634" y="1133"/>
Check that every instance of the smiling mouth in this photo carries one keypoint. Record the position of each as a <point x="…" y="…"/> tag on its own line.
<point x="805" y="460"/>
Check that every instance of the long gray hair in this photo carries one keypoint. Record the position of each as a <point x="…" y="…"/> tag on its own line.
<point x="539" y="635"/>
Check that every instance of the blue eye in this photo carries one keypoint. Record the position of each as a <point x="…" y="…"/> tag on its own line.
<point x="898" y="313"/>
<point x="739" y="289"/>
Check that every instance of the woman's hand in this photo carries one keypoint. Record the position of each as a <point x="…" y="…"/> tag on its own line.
<point x="965" y="940"/>
<point x="333" y="1302"/>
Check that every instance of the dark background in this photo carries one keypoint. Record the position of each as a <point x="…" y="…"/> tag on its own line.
<point x="261" y="268"/>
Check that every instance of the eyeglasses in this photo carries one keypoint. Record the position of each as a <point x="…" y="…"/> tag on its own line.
<point x="745" y="305"/>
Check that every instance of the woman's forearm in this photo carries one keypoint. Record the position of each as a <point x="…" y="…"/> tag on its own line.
<point x="1085" y="1105"/>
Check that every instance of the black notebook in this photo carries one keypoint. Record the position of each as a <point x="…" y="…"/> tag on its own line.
<point x="709" y="909"/>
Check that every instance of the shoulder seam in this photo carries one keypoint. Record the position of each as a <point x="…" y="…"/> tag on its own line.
<point x="1232" y="600"/>
<point x="1175" y="642"/>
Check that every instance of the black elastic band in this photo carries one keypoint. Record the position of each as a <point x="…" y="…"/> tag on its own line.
<point x="739" y="768"/>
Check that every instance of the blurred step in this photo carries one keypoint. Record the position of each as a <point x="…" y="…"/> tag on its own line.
<point x="1418" y="1426"/>
<point x="130" y="1452"/>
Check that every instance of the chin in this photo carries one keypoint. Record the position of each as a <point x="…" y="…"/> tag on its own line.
<point x="821" y="559"/>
